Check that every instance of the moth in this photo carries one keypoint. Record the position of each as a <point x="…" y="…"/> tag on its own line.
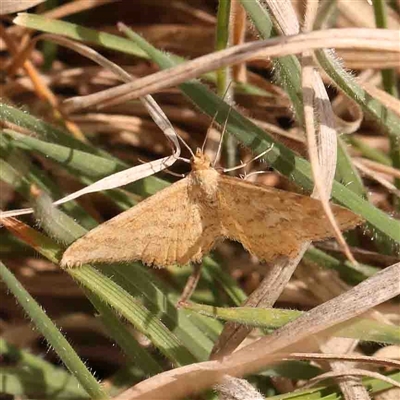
<point x="182" y="223"/>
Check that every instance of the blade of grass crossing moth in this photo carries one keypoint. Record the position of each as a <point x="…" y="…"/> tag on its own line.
<point x="323" y="157"/>
<point x="280" y="157"/>
<point x="254" y="9"/>
<point x="53" y="336"/>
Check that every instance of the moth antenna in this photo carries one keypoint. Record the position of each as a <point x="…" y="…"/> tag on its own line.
<point x="186" y="145"/>
<point x="213" y="120"/>
<point x="208" y="132"/>
<point x="253" y="159"/>
<point x="222" y="138"/>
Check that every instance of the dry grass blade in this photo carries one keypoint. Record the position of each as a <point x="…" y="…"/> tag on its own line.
<point x="276" y="47"/>
<point x="314" y="93"/>
<point x="237" y="389"/>
<point x="345" y="357"/>
<point x="13" y="6"/>
<point x="323" y="152"/>
<point x="75" y="7"/>
<point x="348" y="374"/>
<point x="377" y="177"/>
<point x="238" y="16"/>
<point x="374" y="166"/>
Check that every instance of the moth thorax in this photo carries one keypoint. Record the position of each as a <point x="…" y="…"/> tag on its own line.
<point x="205" y="182"/>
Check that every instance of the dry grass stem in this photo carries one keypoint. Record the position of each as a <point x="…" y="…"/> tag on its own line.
<point x="360" y="38"/>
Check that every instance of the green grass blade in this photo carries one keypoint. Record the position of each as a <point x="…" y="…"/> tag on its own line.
<point x="346" y="173"/>
<point x="362" y="329"/>
<point x="17" y="170"/>
<point x="372" y="107"/>
<point x="389" y="82"/>
<point x="368" y="151"/>
<point x="388" y="75"/>
<point x="348" y="271"/>
<point x="31" y="376"/>
<point x="76" y="32"/>
<point x="133" y="310"/>
<point x="22" y="382"/>
<point x="373" y="386"/>
<point x="53" y="336"/>
<point x="78" y="161"/>
<point x="118" y="331"/>
<point x="221" y="42"/>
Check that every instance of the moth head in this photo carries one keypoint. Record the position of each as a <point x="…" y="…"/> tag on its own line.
<point x="200" y="161"/>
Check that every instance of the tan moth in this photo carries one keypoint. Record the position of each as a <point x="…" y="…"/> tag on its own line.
<point x="183" y="222"/>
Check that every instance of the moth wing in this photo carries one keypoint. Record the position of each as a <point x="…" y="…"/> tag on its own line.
<point x="165" y="229"/>
<point x="272" y="223"/>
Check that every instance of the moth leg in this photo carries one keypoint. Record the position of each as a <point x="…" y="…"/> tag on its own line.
<point x="242" y="165"/>
<point x="190" y="285"/>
